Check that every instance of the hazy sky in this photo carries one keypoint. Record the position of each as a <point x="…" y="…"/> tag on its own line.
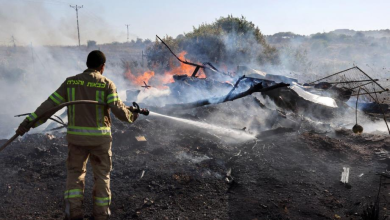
<point x="161" y="17"/>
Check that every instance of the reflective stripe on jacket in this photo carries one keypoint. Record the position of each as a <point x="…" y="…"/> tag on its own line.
<point x="88" y="125"/>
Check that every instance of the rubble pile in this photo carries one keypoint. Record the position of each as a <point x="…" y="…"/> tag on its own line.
<point x="257" y="146"/>
<point x="186" y="173"/>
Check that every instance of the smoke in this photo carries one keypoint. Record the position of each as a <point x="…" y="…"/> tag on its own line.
<point x="45" y="68"/>
<point x="191" y="158"/>
<point x="32" y="22"/>
<point x="315" y="56"/>
<point x="308" y="58"/>
<point x="305" y="58"/>
<point x="370" y="124"/>
<point x="31" y="70"/>
<point x="30" y="75"/>
<point x="151" y="95"/>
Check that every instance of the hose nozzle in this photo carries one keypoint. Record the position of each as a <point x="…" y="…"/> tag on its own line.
<point x="137" y="109"/>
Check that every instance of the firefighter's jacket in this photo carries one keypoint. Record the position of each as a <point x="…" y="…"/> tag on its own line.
<point x="88" y="124"/>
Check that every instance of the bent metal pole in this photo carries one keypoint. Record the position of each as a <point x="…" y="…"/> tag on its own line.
<point x="50" y="112"/>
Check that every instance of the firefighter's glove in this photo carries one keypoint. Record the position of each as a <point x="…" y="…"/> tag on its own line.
<point x="22" y="129"/>
<point x="135" y="114"/>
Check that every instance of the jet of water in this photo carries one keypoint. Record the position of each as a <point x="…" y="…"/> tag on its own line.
<point x="236" y="135"/>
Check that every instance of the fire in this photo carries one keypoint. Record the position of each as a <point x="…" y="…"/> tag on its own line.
<point x="140" y="78"/>
<point x="183" y="69"/>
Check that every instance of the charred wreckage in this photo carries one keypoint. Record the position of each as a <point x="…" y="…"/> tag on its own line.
<point x="289" y="104"/>
<point x="321" y="98"/>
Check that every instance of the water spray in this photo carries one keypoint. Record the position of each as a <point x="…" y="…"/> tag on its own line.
<point x="231" y="133"/>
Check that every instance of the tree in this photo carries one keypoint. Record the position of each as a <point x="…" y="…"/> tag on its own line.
<point x="91" y="43"/>
<point x="157" y="55"/>
<point x="230" y="40"/>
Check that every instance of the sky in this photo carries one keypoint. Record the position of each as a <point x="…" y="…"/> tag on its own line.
<point x="104" y="21"/>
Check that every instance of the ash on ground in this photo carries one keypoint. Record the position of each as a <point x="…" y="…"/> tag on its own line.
<point x="179" y="172"/>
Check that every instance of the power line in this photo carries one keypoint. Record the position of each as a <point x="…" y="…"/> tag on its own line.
<point x="76" y="7"/>
<point x="92" y="13"/>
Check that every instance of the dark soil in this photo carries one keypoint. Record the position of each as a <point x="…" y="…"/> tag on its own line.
<point x="287" y="174"/>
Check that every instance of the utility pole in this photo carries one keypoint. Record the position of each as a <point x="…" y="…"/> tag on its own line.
<point x="13" y="41"/>
<point x="127" y="25"/>
<point x="76" y="7"/>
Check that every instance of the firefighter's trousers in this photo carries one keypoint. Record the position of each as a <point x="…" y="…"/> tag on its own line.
<point x="76" y="165"/>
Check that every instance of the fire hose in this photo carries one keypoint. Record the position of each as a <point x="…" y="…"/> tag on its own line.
<point x="48" y="113"/>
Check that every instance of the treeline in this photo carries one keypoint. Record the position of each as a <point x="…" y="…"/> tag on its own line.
<point x="229" y="41"/>
<point x="336" y="36"/>
<point x="232" y="41"/>
<point x="332" y="51"/>
<point x="138" y="43"/>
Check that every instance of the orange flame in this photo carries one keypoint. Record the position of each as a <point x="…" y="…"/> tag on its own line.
<point x="183" y="69"/>
<point x="140" y="79"/>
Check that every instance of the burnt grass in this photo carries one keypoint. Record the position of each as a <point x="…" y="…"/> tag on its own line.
<point x="287" y="174"/>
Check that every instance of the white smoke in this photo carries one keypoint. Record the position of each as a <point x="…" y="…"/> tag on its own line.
<point x="32" y="22"/>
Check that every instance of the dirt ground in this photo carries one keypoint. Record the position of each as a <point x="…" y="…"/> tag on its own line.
<point x="284" y="174"/>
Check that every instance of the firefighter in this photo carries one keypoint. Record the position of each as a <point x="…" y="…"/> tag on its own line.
<point x="88" y="134"/>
